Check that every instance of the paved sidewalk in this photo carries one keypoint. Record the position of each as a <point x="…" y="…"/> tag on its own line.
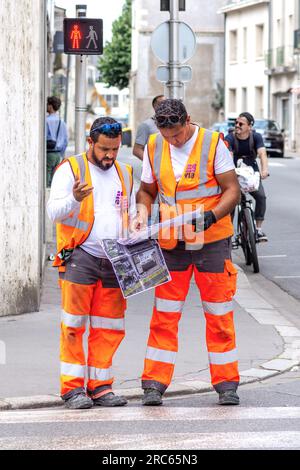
<point x="267" y="342"/>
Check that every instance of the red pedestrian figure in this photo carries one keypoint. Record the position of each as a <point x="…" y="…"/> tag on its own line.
<point x="75" y="36"/>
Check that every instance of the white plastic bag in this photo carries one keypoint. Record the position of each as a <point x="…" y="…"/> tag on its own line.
<point x="248" y="178"/>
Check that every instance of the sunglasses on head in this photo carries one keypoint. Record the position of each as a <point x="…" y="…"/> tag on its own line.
<point x="168" y="120"/>
<point x="108" y="129"/>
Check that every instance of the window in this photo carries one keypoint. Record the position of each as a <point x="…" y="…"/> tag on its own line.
<point x="259" y="41"/>
<point x="245" y="43"/>
<point x="259" y="104"/>
<point x="244" y="99"/>
<point x="232" y="100"/>
<point x="112" y="100"/>
<point x="233" y="46"/>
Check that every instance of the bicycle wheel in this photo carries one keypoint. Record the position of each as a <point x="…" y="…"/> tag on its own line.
<point x="251" y="239"/>
<point x="243" y="232"/>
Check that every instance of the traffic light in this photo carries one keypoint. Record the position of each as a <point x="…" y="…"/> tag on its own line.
<point x="83" y="36"/>
<point x="165" y="5"/>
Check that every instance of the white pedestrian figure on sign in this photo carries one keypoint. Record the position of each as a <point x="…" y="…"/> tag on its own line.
<point x="93" y="36"/>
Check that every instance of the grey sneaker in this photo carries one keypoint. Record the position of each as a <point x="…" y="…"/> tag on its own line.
<point x="261" y="236"/>
<point x="229" y="397"/>
<point x="110" y="399"/>
<point x="152" y="397"/>
<point x="78" y="402"/>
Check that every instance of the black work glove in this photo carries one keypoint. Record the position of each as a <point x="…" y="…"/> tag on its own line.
<point x="209" y="219"/>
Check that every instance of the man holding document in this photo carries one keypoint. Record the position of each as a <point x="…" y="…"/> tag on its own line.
<point x="190" y="168"/>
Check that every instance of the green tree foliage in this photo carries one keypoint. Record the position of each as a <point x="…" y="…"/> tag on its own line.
<point x="115" y="64"/>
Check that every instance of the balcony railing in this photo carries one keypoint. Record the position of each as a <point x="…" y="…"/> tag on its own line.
<point x="280" y="58"/>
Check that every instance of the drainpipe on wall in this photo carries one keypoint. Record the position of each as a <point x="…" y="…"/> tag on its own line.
<point x="270" y="7"/>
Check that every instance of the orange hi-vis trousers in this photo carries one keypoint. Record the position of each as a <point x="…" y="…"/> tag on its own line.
<point x="217" y="290"/>
<point x="104" y="307"/>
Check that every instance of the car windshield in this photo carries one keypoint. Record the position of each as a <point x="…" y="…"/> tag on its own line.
<point x="266" y="125"/>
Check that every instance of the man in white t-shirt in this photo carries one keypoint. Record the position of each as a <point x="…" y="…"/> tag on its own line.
<point x="190" y="167"/>
<point x="91" y="199"/>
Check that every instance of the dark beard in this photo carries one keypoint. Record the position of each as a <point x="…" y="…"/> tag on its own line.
<point x="100" y="164"/>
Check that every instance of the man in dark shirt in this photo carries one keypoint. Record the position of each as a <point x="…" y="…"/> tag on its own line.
<point x="247" y="144"/>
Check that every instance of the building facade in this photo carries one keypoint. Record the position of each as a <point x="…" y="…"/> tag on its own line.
<point x="22" y="132"/>
<point x="246" y="41"/>
<point x="262" y="63"/>
<point x="203" y="95"/>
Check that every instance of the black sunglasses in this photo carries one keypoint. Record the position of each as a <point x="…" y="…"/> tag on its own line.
<point x="168" y="120"/>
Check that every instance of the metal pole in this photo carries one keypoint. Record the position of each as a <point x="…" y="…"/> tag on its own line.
<point x="80" y="94"/>
<point x="174" y="85"/>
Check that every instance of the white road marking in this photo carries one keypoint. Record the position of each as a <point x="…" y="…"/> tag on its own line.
<point x="273" y="256"/>
<point x="286" y="277"/>
<point x="274" y="164"/>
<point x="148" y="414"/>
<point x="206" y="440"/>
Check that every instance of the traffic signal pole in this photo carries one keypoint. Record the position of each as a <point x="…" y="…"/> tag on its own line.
<point x="80" y="94"/>
<point x="174" y="85"/>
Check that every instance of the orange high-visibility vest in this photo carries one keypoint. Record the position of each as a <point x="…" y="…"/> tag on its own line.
<point x="197" y="189"/>
<point x="74" y="230"/>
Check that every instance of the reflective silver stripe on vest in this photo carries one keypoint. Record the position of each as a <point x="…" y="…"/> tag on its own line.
<point x="166" y="199"/>
<point x="220" y="359"/>
<point x="74" y="370"/>
<point x="73" y="321"/>
<point x="169" y="306"/>
<point x="207" y="138"/>
<point x="81" y="164"/>
<point x="158" y="159"/>
<point x="217" y="308"/>
<point x="126" y="178"/>
<point x="161" y="355"/>
<point x="108" y="323"/>
<point x="100" y="374"/>
<point x="200" y="192"/>
<point x="76" y="223"/>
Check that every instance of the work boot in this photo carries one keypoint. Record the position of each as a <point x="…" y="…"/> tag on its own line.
<point x="152" y="397"/>
<point x="229" y="397"/>
<point x="110" y="399"/>
<point x="78" y="402"/>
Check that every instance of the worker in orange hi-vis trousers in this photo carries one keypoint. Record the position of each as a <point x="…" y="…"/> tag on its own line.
<point x="91" y="199"/>
<point x="190" y="168"/>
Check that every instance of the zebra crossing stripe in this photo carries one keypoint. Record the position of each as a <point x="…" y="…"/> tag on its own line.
<point x="150" y="414"/>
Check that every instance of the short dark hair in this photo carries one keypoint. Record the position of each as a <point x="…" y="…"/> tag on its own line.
<point x="94" y="135"/>
<point x="249" y="118"/>
<point x="156" y="99"/>
<point x="54" y="101"/>
<point x="170" y="108"/>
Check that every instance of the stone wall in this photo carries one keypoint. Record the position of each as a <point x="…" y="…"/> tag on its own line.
<point x="22" y="116"/>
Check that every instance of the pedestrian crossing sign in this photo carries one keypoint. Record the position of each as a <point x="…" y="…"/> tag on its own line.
<point x="83" y="36"/>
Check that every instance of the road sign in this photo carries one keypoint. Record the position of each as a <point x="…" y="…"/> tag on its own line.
<point x="163" y="73"/>
<point x="160" y="42"/>
<point x="83" y="36"/>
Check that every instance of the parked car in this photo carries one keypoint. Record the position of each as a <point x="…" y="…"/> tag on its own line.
<point x="272" y="135"/>
<point x="223" y="127"/>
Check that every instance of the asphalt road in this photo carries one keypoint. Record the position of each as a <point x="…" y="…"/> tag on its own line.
<point x="279" y="259"/>
<point x="268" y="418"/>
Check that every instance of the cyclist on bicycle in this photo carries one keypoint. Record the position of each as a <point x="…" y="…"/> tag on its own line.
<point x="247" y="144"/>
